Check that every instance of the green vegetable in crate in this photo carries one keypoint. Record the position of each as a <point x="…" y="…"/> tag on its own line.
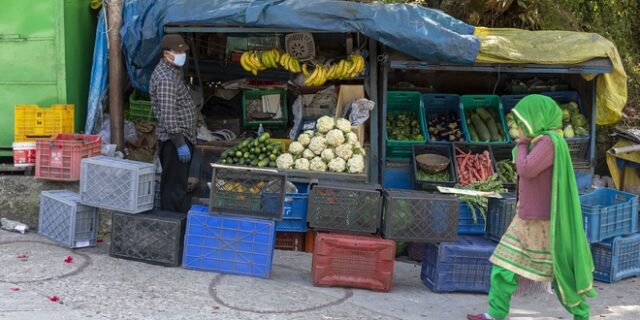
<point x="483" y="126"/>
<point x="574" y="123"/>
<point x="444" y="127"/>
<point x="507" y="171"/>
<point x="404" y="126"/>
<point x="422" y="175"/>
<point x="258" y="152"/>
<point x="478" y="204"/>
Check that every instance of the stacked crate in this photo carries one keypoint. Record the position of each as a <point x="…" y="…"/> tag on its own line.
<point x="291" y="230"/>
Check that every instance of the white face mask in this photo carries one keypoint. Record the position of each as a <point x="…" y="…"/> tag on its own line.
<point x="179" y="58"/>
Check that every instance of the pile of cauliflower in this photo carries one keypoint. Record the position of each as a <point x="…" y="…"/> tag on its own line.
<point x="332" y="147"/>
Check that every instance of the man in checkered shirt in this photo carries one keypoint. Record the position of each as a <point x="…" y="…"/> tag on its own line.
<point x="177" y="117"/>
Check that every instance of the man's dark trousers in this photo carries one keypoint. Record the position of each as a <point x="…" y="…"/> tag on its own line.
<point x="175" y="176"/>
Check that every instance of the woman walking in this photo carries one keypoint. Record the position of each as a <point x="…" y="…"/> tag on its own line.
<point x="545" y="241"/>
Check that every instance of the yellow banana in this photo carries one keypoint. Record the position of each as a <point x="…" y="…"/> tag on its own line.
<point x="281" y="60"/>
<point x="362" y="63"/>
<point x="286" y="57"/>
<point x="276" y="55"/>
<point x="312" y="78"/>
<point x="305" y="71"/>
<point x="343" y="68"/>
<point x="332" y="72"/>
<point x="243" y="62"/>
<point x="353" y="68"/>
<point x="255" y="60"/>
<point x="321" y="78"/>
<point x="264" y="58"/>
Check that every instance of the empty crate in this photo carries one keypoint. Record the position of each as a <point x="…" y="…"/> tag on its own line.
<point x="247" y="191"/>
<point x="616" y="259"/>
<point x="64" y="220"/>
<point x="419" y="216"/>
<point x="226" y="244"/>
<point x="59" y="158"/>
<point x="609" y="213"/>
<point x="462" y="265"/>
<point x="499" y="215"/>
<point x="154" y="237"/>
<point x="345" y="207"/>
<point x="117" y="184"/>
<point x="291" y="241"/>
<point x="353" y="261"/>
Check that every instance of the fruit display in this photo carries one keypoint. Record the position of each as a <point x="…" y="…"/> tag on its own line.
<point x="347" y="68"/>
<point x="259" y="152"/>
<point x="484" y="125"/>
<point x="333" y="147"/>
<point x="574" y="123"/>
<point x="404" y="127"/>
<point x="473" y="167"/>
<point x="255" y="61"/>
<point x="444" y="127"/>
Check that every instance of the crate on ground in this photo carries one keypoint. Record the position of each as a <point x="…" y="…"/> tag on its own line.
<point x="402" y="102"/>
<point x="253" y="192"/>
<point x="140" y="107"/>
<point x="59" y="158"/>
<point x="309" y="241"/>
<point x="24" y="154"/>
<point x="397" y="174"/>
<point x="492" y="104"/>
<point x="153" y="237"/>
<point x="353" y="261"/>
<point x="117" y="184"/>
<point x="466" y="224"/>
<point x="294" y="214"/>
<point x="270" y="103"/>
<point x="64" y="220"/>
<point x="462" y="265"/>
<point x="503" y="152"/>
<point x="32" y="121"/>
<point x="616" y="259"/>
<point x="499" y="215"/>
<point x="415" y="251"/>
<point x="438" y="105"/>
<point x="609" y="213"/>
<point x="345" y="207"/>
<point x="290" y="241"/>
<point x="419" y="216"/>
<point x="422" y="183"/>
<point x="226" y="244"/>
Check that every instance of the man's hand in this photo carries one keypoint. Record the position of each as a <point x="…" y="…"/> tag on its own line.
<point x="184" y="154"/>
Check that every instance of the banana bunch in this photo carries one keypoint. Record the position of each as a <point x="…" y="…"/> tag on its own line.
<point x="254" y="61"/>
<point x="347" y="68"/>
<point x="290" y="63"/>
<point x="316" y="78"/>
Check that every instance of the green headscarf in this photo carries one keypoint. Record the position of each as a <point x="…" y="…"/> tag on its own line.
<point x="572" y="262"/>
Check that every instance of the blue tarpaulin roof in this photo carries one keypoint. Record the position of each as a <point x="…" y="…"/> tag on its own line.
<point x="426" y="34"/>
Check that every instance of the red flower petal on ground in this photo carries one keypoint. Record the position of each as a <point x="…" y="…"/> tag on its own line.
<point x="23" y="257"/>
<point x="69" y="259"/>
<point x="54" y="299"/>
<point x="15" y="289"/>
<point x="99" y="241"/>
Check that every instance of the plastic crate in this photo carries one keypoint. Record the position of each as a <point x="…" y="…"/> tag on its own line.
<point x="249" y="192"/>
<point x="345" y="207"/>
<point x="462" y="265"/>
<point x="579" y="146"/>
<point x="419" y="216"/>
<point x="32" y="121"/>
<point x="64" y="220"/>
<point x="504" y="152"/>
<point x="470" y="102"/>
<point x="225" y="244"/>
<point x="397" y="175"/>
<point x="439" y="149"/>
<point x="353" y="261"/>
<point x="509" y="101"/>
<point x="309" y="241"/>
<point x="404" y="101"/>
<point x="117" y="184"/>
<point x="290" y="241"/>
<point x="609" y="213"/>
<point x="256" y="94"/>
<point x="140" y="107"/>
<point x="474" y="149"/>
<point x="154" y="237"/>
<point x="499" y="215"/>
<point x="294" y="215"/>
<point x="59" y="158"/>
<point x="415" y="251"/>
<point x="441" y="104"/>
<point x="156" y="194"/>
<point x="466" y="224"/>
<point x="616" y="259"/>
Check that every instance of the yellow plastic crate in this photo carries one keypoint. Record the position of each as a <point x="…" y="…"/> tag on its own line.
<point x="32" y="121"/>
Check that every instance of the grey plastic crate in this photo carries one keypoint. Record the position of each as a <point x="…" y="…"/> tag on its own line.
<point x="154" y="237"/>
<point x="117" y="184"/>
<point x="64" y="220"/>
<point x="345" y="207"/>
<point x="419" y="216"/>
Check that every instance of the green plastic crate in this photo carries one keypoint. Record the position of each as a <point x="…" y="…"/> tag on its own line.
<point x="404" y="101"/>
<point x="140" y="108"/>
<point x="470" y="102"/>
<point x="257" y="94"/>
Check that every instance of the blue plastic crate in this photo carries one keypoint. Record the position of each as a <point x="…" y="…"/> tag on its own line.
<point x="226" y="244"/>
<point x="609" y="213"/>
<point x="616" y="259"/>
<point x="397" y="175"/>
<point x="462" y="265"/>
<point x="294" y="212"/>
<point x="499" y="215"/>
<point x="466" y="225"/>
<point x="441" y="104"/>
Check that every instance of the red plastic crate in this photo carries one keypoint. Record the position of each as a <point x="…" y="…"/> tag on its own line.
<point x="291" y="241"/>
<point x="353" y="261"/>
<point x="59" y="158"/>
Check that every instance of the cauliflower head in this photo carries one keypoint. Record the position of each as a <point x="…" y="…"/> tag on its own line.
<point x="344" y="151"/>
<point x="352" y="138"/>
<point x="356" y="164"/>
<point x="284" y="161"/>
<point x="296" y="148"/>
<point x="304" y="139"/>
<point x="327" y="155"/>
<point x="337" y="165"/>
<point x="317" y="164"/>
<point x="317" y="145"/>
<point x="308" y="154"/>
<point x="302" y="164"/>
<point x="334" y="137"/>
<point x="344" y="125"/>
<point x="324" y="124"/>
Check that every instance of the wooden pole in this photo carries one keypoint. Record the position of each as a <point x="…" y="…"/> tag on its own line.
<point x="116" y="113"/>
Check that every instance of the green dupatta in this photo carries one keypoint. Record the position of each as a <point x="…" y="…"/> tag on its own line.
<point x="539" y="115"/>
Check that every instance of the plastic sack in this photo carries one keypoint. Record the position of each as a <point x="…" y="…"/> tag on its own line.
<point x="130" y="134"/>
<point x="358" y="111"/>
<point x="296" y="109"/>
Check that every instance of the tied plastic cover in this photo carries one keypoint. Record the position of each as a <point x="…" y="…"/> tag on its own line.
<point x="11" y="225"/>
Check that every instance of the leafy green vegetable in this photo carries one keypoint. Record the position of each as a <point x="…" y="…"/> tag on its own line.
<point x="477" y="203"/>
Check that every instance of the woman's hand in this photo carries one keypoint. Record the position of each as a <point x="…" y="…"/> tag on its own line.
<point x="522" y="136"/>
